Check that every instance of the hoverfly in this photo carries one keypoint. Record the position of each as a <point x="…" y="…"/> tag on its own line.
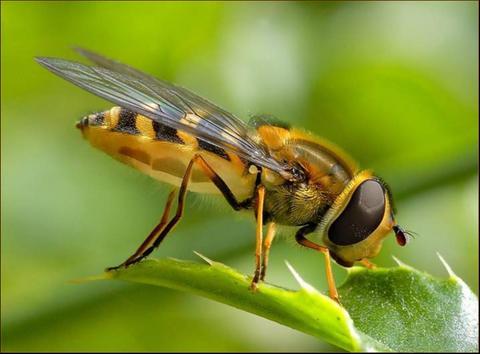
<point x="285" y="176"/>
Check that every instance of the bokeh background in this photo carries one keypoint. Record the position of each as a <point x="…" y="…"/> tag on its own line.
<point x="394" y="83"/>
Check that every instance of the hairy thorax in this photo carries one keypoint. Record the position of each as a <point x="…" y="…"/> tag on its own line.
<point x="324" y="172"/>
<point x="295" y="205"/>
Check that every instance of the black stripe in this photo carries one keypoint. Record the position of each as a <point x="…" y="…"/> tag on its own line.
<point x="98" y="119"/>
<point x="126" y="122"/>
<point x="202" y="144"/>
<point x="166" y="133"/>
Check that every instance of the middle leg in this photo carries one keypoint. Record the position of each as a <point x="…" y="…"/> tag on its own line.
<point x="271" y="229"/>
<point x="259" y="236"/>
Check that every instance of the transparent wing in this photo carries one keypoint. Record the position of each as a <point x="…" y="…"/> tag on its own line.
<point x="165" y="103"/>
<point x="206" y="109"/>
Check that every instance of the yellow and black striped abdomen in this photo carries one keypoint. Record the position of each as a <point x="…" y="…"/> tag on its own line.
<point x="163" y="152"/>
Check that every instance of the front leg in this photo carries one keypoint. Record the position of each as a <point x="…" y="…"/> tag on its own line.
<point x="301" y="239"/>
<point x="367" y="264"/>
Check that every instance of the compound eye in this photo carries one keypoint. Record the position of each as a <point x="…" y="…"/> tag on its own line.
<point x="362" y="215"/>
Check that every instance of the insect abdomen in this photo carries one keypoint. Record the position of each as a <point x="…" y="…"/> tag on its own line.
<point x="159" y="150"/>
<point x="125" y="121"/>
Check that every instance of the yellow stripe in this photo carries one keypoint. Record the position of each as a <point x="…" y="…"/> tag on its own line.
<point x="188" y="139"/>
<point x="144" y="126"/>
<point x="114" y="117"/>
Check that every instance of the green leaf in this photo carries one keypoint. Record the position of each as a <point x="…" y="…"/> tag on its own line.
<point x="408" y="310"/>
<point x="398" y="309"/>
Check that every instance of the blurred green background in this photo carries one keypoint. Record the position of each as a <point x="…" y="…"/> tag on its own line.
<point x="395" y="84"/>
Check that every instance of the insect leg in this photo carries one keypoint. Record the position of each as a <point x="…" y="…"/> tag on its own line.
<point x="155" y="232"/>
<point x="301" y="239"/>
<point x="266" y="248"/>
<point x="174" y="220"/>
<point x="220" y="184"/>
<point x="259" y="236"/>
<point x="367" y="264"/>
<point x="161" y="231"/>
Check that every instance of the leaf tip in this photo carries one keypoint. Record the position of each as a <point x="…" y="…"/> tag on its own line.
<point x="303" y="284"/>
<point x="400" y="263"/>
<point x="206" y="259"/>
<point x="447" y="266"/>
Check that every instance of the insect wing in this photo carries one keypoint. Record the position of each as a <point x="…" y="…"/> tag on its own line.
<point x="201" y="106"/>
<point x="164" y="103"/>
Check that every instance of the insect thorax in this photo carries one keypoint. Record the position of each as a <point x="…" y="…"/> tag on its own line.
<point x="307" y="201"/>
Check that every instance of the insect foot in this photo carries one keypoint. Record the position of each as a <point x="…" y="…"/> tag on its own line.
<point x="254" y="284"/>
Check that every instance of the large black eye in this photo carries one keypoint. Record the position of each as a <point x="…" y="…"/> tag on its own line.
<point x="362" y="215"/>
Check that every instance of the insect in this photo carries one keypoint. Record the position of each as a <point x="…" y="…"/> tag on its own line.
<point x="283" y="175"/>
